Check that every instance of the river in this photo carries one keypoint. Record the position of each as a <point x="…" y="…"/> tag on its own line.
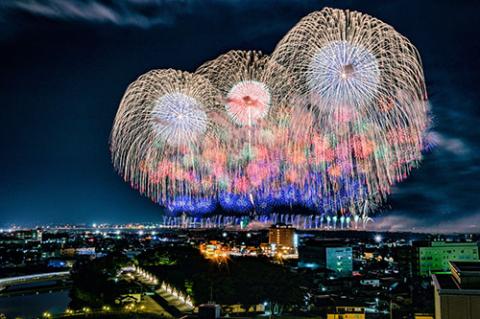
<point x="32" y="304"/>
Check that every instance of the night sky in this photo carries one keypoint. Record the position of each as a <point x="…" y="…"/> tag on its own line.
<point x="65" y="65"/>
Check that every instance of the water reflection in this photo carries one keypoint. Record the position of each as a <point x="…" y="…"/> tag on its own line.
<point x="33" y="305"/>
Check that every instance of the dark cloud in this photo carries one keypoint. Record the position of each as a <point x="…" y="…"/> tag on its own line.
<point x="65" y="65"/>
<point x="149" y="13"/>
<point x="141" y="13"/>
<point x="439" y="224"/>
<point x="125" y="13"/>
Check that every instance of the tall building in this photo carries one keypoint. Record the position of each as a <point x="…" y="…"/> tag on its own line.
<point x="436" y="256"/>
<point x="457" y="295"/>
<point x="282" y="235"/>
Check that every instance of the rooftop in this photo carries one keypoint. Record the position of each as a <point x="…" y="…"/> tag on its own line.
<point x="464" y="279"/>
<point x="282" y="225"/>
<point x="452" y="244"/>
<point x="466" y="273"/>
<point x="466" y="266"/>
<point x="445" y="282"/>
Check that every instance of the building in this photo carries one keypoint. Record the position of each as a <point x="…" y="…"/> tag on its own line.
<point x="34" y="235"/>
<point x="330" y="255"/>
<point x="129" y="298"/>
<point x="457" y="295"/>
<point x="214" y="250"/>
<point x="311" y="255"/>
<point x="282" y="235"/>
<point x="21" y="237"/>
<point x="435" y="257"/>
<point x="209" y="311"/>
<point x="372" y="282"/>
<point x="403" y="258"/>
<point x="339" y="260"/>
<point x="347" y="313"/>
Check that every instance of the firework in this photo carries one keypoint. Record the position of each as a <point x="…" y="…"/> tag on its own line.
<point x="155" y="138"/>
<point x="249" y="83"/>
<point x="247" y="102"/>
<point x="362" y="83"/>
<point x="252" y="90"/>
<point x="329" y="122"/>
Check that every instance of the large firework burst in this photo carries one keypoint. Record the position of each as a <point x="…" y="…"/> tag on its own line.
<point x="329" y="122"/>
<point x="363" y="84"/>
<point x="163" y="121"/>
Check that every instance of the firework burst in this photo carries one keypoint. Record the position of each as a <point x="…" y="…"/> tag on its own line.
<point x="329" y="122"/>
<point x="155" y="138"/>
<point x="363" y="84"/>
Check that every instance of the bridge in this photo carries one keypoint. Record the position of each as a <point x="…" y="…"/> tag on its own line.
<point x="27" y="279"/>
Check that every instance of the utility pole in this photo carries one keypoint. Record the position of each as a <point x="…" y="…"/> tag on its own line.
<point x="211" y="292"/>
<point x="391" y="307"/>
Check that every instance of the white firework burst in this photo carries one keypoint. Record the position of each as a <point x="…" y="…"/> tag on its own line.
<point x="178" y="119"/>
<point x="344" y="73"/>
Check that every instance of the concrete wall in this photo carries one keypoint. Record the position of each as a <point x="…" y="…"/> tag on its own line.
<point x="457" y="306"/>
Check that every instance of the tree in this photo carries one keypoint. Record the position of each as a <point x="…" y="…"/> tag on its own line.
<point x="93" y="281"/>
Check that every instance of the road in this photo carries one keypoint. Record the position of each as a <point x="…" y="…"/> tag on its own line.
<point x="10" y="281"/>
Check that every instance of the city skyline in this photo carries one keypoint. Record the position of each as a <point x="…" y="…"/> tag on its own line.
<point x="68" y="72"/>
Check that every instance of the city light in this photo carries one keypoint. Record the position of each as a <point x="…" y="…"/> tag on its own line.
<point x="374" y="267"/>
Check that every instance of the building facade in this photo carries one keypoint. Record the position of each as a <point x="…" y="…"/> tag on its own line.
<point x="457" y="295"/>
<point x="347" y="313"/>
<point x="330" y="255"/>
<point x="339" y="260"/>
<point x="282" y="235"/>
<point x="436" y="257"/>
